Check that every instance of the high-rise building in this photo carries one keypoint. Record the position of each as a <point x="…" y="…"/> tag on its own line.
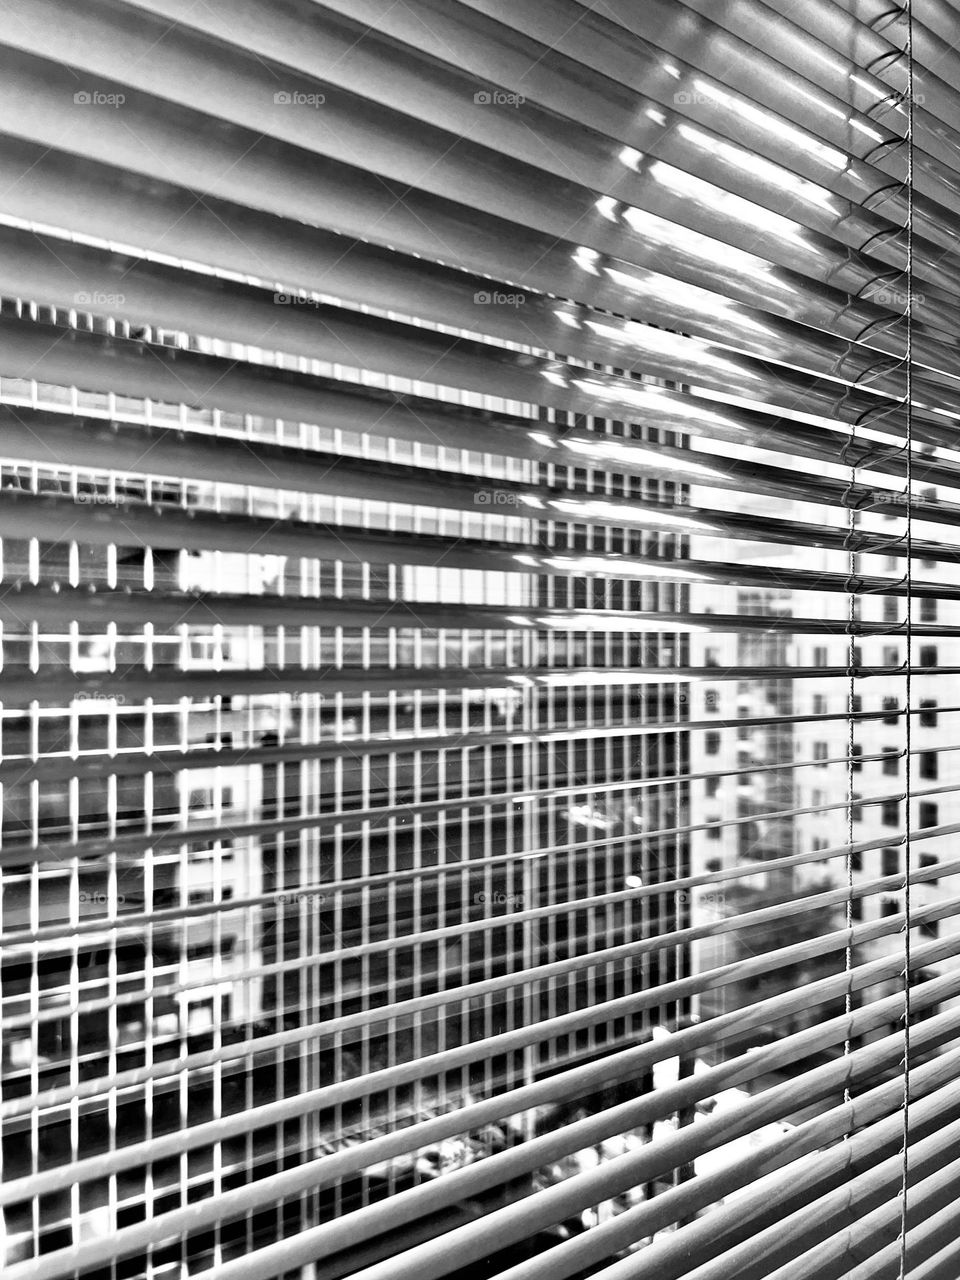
<point x="268" y="794"/>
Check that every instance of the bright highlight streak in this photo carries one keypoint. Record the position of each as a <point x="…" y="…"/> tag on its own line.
<point x="773" y="124"/>
<point x="711" y="197"/>
<point x="686" y="295"/>
<point x="539" y="438"/>
<point x="865" y="128"/>
<point x="586" y="259"/>
<point x="715" y="252"/>
<point x="612" y="451"/>
<point x="870" y="88"/>
<point x="668" y="344"/>
<point x="628" y="514"/>
<point x="760" y="168"/>
<point x="655" y="401"/>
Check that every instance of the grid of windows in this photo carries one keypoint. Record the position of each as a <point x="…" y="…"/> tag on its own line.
<point x="279" y="846"/>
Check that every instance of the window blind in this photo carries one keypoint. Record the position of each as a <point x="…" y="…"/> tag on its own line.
<point x="479" y="788"/>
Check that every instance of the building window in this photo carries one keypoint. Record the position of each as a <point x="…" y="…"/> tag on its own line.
<point x="820" y="655"/>
<point x="711" y="657"/>
<point x="856" y="909"/>
<point x="714" y="831"/>
<point x="928" y="608"/>
<point x="711" y="699"/>
<point x="929" y="764"/>
<point x="928" y="713"/>
<point x="711" y="742"/>
<point x="890" y="862"/>
<point x="928" y="655"/>
<point x="821" y="752"/>
<point x="889" y="907"/>
<point x="929" y="814"/>
<point x="856" y="860"/>
<point x="928" y="860"/>
<point x="856" y="756"/>
<point x="819" y="704"/>
<point x="890" y="813"/>
<point x="891" y="761"/>
<point x="856" y="704"/>
<point x="892" y="707"/>
<point x="929" y="928"/>
<point x="891" y="608"/>
<point x="856" y="810"/>
<point x="713" y="784"/>
<point x="891" y="656"/>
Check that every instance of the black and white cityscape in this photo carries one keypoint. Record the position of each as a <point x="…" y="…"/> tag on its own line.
<point x="479" y="639"/>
